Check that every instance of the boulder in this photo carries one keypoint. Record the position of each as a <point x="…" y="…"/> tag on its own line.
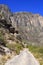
<point x="24" y="58"/>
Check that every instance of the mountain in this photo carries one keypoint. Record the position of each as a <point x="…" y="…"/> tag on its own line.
<point x="30" y="27"/>
<point x="17" y="31"/>
<point x="27" y="26"/>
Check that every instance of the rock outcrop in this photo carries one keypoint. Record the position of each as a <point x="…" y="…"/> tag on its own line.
<point x="24" y="58"/>
<point x="4" y="50"/>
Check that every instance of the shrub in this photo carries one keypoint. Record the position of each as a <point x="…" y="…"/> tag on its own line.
<point x="15" y="47"/>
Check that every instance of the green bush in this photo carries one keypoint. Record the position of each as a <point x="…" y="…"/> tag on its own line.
<point x="2" y="38"/>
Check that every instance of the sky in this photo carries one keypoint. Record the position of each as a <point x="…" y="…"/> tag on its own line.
<point x="33" y="6"/>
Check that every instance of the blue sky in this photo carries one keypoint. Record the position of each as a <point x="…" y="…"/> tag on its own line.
<point x="34" y="6"/>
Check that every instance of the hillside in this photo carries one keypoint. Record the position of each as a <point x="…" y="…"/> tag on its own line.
<point x="20" y="30"/>
<point x="28" y="25"/>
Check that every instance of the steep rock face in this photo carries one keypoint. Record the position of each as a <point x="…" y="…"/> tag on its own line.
<point x="30" y="27"/>
<point x="5" y="13"/>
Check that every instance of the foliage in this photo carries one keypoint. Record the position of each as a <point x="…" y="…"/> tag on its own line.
<point x="15" y="47"/>
<point x="2" y="38"/>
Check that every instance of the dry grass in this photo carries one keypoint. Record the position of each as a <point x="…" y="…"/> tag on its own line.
<point x="37" y="52"/>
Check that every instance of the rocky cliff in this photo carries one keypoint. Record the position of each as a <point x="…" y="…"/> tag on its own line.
<point x="28" y="25"/>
